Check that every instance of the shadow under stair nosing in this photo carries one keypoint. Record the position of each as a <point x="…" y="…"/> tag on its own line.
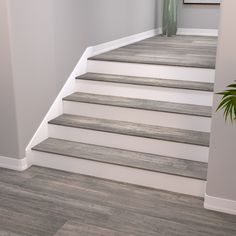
<point x="133" y="129"/>
<point x="143" y="104"/>
<point x="144" y="161"/>
<point x="147" y="81"/>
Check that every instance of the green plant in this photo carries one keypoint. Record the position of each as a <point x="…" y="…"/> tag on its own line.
<point x="228" y="102"/>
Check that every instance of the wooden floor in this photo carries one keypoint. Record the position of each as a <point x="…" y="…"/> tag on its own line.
<point x="188" y="51"/>
<point x="47" y="202"/>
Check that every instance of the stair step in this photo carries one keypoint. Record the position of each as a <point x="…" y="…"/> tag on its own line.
<point x="143" y="104"/>
<point x="167" y="165"/>
<point x="133" y="129"/>
<point x="169" y="83"/>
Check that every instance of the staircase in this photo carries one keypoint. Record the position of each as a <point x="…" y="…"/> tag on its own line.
<point x="147" y="130"/>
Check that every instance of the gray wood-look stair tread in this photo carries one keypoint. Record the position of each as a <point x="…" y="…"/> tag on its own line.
<point x="143" y="104"/>
<point x="158" y="82"/>
<point x="133" y="129"/>
<point x="196" y="51"/>
<point x="156" y="163"/>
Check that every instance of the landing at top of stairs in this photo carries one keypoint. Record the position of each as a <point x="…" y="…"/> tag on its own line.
<point x="186" y="51"/>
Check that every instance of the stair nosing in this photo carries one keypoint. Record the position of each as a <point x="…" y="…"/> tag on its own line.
<point x="127" y="132"/>
<point x="36" y="148"/>
<point x="139" y="107"/>
<point x="213" y="67"/>
<point x="90" y="76"/>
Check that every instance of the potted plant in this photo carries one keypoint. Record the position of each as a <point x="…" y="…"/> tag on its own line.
<point x="228" y="102"/>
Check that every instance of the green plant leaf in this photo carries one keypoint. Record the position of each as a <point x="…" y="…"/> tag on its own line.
<point x="228" y="103"/>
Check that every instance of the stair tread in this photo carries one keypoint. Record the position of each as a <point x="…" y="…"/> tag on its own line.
<point x="133" y="129"/>
<point x="187" y="109"/>
<point x="168" y="165"/>
<point x="158" y="82"/>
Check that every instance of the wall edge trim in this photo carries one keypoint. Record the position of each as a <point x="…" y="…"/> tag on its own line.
<point x="220" y="204"/>
<point x="197" y="32"/>
<point x="14" y="164"/>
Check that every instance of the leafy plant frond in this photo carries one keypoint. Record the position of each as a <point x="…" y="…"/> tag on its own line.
<point x="228" y="102"/>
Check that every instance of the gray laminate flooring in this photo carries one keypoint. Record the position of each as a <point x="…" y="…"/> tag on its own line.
<point x="144" y="104"/>
<point x="133" y="129"/>
<point x="188" y="51"/>
<point x="44" y="202"/>
<point x="154" y="163"/>
<point x="158" y="82"/>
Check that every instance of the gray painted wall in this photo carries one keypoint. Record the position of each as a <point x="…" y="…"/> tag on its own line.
<point x="47" y="39"/>
<point x="8" y="125"/>
<point x="222" y="163"/>
<point x="194" y="16"/>
<point x="198" y="16"/>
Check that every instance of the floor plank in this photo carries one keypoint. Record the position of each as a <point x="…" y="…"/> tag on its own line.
<point x="73" y="228"/>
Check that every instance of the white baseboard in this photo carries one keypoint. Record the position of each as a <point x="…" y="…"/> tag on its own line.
<point x="220" y="204"/>
<point x="197" y="32"/>
<point x="14" y="164"/>
<point x="70" y="87"/>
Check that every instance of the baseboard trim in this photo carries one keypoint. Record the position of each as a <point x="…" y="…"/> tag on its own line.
<point x="220" y="204"/>
<point x="70" y="86"/>
<point x="197" y="32"/>
<point x="14" y="164"/>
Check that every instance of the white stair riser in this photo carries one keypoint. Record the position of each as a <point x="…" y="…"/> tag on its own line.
<point x="146" y="92"/>
<point x="139" y="116"/>
<point x="120" y="173"/>
<point x="133" y="143"/>
<point x="153" y="71"/>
